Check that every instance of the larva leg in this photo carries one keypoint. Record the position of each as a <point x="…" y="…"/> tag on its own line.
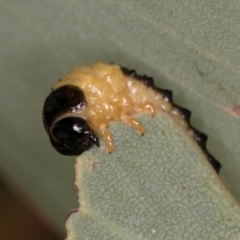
<point x="107" y="136"/>
<point x="133" y="122"/>
<point x="146" y="107"/>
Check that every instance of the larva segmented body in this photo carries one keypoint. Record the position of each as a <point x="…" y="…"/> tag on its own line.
<point x="84" y="101"/>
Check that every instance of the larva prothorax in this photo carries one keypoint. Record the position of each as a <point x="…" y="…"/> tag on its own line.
<point x="84" y="101"/>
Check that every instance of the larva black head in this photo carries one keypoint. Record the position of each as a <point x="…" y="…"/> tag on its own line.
<point x="68" y="133"/>
<point x="72" y="136"/>
<point x="66" y="99"/>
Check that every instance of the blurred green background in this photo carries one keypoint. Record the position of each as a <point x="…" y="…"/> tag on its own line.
<point x="191" y="48"/>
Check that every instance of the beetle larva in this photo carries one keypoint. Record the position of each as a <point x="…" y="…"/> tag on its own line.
<point x="84" y="101"/>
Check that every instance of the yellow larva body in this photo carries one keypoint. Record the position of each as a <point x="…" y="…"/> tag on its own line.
<point x="86" y="100"/>
<point x="111" y="96"/>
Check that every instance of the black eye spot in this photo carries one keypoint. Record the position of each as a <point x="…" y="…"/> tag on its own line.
<point x="72" y="136"/>
<point x="65" y="99"/>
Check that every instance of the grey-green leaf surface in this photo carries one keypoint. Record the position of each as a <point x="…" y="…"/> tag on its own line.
<point x="190" y="47"/>
<point x="156" y="186"/>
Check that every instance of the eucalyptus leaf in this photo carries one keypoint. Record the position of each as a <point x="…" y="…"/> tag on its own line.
<point x="190" y="47"/>
<point x="156" y="186"/>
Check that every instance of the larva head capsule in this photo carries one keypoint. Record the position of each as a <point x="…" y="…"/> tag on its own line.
<point x="69" y="133"/>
